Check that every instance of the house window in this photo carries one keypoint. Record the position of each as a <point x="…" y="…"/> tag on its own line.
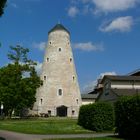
<point x="106" y="93"/>
<point x="60" y="92"/>
<point x="59" y="49"/>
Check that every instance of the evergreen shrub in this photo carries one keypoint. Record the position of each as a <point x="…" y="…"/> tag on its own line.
<point x="97" y="116"/>
<point x="127" y="117"/>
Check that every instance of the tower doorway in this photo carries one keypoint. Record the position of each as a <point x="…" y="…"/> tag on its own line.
<point x="62" y="111"/>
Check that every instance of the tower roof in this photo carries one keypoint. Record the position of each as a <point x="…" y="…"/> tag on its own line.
<point x="58" y="27"/>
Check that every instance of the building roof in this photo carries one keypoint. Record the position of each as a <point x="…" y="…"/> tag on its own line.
<point x="58" y="27"/>
<point x="121" y="78"/>
<point x="134" y="73"/>
<point x="125" y="92"/>
<point x="89" y="96"/>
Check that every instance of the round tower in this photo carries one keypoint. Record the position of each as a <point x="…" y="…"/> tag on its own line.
<point x="59" y="94"/>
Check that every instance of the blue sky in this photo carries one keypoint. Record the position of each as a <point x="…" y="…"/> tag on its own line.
<point x="105" y="34"/>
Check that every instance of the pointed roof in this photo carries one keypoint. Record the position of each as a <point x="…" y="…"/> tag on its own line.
<point x="58" y="27"/>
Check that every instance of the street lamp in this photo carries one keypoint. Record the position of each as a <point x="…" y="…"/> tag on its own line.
<point x="1" y="107"/>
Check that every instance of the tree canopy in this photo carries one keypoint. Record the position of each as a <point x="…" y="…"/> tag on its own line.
<point x="18" y="81"/>
<point x="2" y="6"/>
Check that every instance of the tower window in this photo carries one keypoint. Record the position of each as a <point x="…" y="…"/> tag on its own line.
<point x="50" y="42"/>
<point x="70" y="59"/>
<point x="49" y="112"/>
<point x="77" y="101"/>
<point x="73" y="78"/>
<point x="41" y="100"/>
<point x="60" y="92"/>
<point x="44" y="77"/>
<point x="59" y="49"/>
<point x="48" y="59"/>
<point x="73" y="112"/>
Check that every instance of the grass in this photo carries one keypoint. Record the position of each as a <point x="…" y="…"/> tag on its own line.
<point x="44" y="126"/>
<point x="100" y="138"/>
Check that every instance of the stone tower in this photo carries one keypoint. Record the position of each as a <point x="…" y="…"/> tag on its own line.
<point x="59" y="95"/>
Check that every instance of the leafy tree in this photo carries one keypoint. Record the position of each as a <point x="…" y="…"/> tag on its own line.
<point x="18" y="81"/>
<point x="2" y="5"/>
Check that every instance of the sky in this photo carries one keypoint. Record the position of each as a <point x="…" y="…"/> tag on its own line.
<point x="105" y="34"/>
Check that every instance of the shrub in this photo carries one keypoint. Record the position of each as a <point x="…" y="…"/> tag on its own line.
<point x="127" y="112"/>
<point x="96" y="117"/>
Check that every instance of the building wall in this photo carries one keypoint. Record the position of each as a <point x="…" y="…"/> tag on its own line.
<point x="125" y="84"/>
<point x="58" y="73"/>
<point x="87" y="101"/>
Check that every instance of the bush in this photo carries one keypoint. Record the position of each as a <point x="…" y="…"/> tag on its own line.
<point x="127" y="112"/>
<point x="96" y="117"/>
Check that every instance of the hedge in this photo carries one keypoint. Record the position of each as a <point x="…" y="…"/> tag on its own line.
<point x="127" y="113"/>
<point x="96" y="117"/>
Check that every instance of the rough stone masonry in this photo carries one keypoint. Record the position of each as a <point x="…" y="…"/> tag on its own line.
<point x="59" y="94"/>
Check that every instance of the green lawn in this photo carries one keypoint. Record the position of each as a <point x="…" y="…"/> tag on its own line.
<point x="43" y="126"/>
<point x="103" y="138"/>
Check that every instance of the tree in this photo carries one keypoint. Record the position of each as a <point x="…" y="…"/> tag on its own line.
<point x="2" y="5"/>
<point x="18" y="81"/>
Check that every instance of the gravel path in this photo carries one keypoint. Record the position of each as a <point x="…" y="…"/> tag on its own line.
<point x="8" y="135"/>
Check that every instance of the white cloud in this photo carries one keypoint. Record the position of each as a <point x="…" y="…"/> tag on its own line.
<point x="122" y="24"/>
<point x="38" y="67"/>
<point x="73" y="11"/>
<point x="101" y="6"/>
<point x="114" y="5"/>
<point x="41" y="46"/>
<point x="88" y="46"/>
<point x="106" y="73"/>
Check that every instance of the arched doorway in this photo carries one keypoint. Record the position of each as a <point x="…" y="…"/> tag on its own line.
<point x="62" y="111"/>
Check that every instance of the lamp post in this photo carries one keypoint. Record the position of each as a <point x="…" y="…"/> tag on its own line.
<point x="1" y="107"/>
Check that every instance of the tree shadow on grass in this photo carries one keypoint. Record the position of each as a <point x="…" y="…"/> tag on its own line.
<point x="2" y="138"/>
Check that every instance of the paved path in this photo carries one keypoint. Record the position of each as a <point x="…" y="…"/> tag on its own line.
<point x="8" y="135"/>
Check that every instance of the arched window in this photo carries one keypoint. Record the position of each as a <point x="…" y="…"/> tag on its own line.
<point x="48" y="59"/>
<point x="70" y="59"/>
<point x="77" y="101"/>
<point x="44" y="77"/>
<point x="73" y="78"/>
<point x="60" y="92"/>
<point x="41" y="100"/>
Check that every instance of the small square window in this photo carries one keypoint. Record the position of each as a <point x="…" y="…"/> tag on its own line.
<point x="59" y="49"/>
<point x="73" y="112"/>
